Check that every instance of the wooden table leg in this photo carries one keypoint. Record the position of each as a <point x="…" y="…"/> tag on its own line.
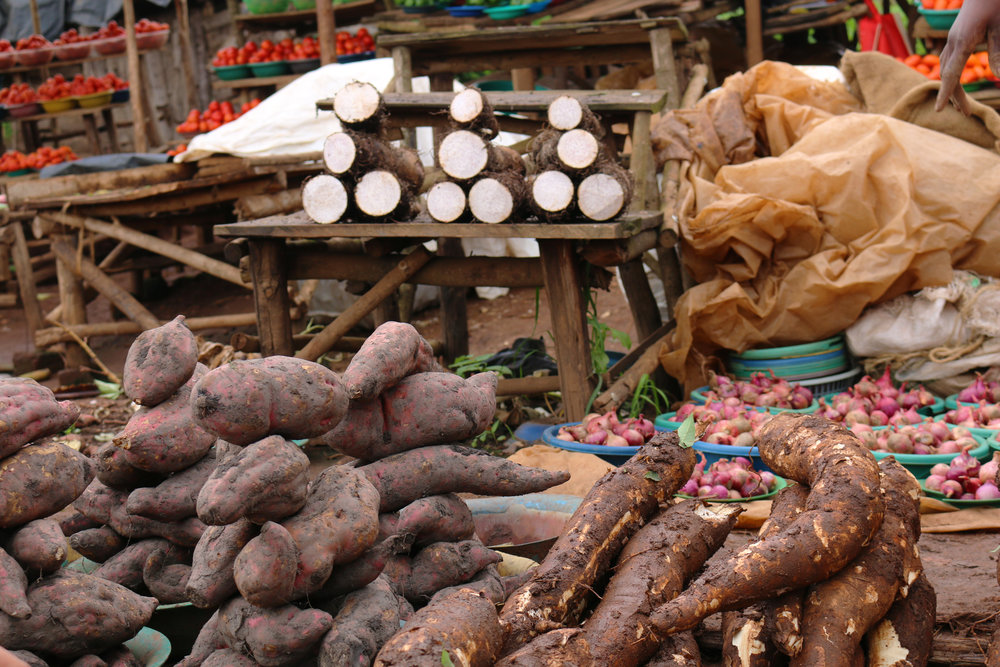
<point x="564" y="290"/>
<point x="90" y="129"/>
<point x="74" y="308"/>
<point x="111" y="129"/>
<point x="270" y="296"/>
<point x="642" y="303"/>
<point x="26" y="281"/>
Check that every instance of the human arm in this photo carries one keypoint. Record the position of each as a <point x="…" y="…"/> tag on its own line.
<point x="977" y="21"/>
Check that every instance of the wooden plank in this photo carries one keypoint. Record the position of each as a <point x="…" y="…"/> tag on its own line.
<point x="299" y="226"/>
<point x="87" y="270"/>
<point x="599" y="101"/>
<point x="643" y="166"/>
<point x="24" y="193"/>
<point x="529" y="386"/>
<point x="454" y="311"/>
<point x="615" y="253"/>
<point x="255" y="82"/>
<point x="50" y="336"/>
<point x="70" y="113"/>
<point x="183" y="201"/>
<point x="74" y="308"/>
<point x="326" y="28"/>
<point x="153" y="244"/>
<point x="850" y="13"/>
<point x="754" y="28"/>
<point x="8" y="300"/>
<point x="357" y="310"/>
<point x="25" y="279"/>
<point x="270" y="296"/>
<point x="140" y="143"/>
<point x="665" y="66"/>
<point x="305" y="263"/>
<point x="187" y="57"/>
<point x="564" y="291"/>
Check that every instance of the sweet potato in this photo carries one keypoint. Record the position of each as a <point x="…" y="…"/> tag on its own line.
<point x="99" y="500"/>
<point x="438" y="566"/>
<point x="30" y="658"/>
<point x="39" y="480"/>
<point x="842" y="513"/>
<point x="272" y="637"/>
<point x="125" y="567"/>
<point x="361" y="429"/>
<point x="185" y="533"/>
<point x="89" y="660"/>
<point x="71" y="521"/>
<point x="13" y="587"/>
<point x="29" y="411"/>
<point x="211" y="581"/>
<point x="266" y="481"/>
<point x="165" y="438"/>
<point x="615" y="508"/>
<point x="393" y="351"/>
<point x="39" y="546"/>
<point x="487" y="582"/>
<point x="207" y="642"/>
<point x="460" y="624"/>
<point x="426" y="471"/>
<point x="839" y="611"/>
<point x="246" y="401"/>
<point x="677" y="650"/>
<point x="364" y="569"/>
<point x="114" y="469"/>
<point x="366" y="620"/>
<point x="159" y="361"/>
<point x="422" y="409"/>
<point x="265" y="569"/>
<point x="175" y="498"/>
<point x="75" y="614"/>
<point x="166" y="573"/>
<point x="904" y="637"/>
<point x="228" y="658"/>
<point x="444" y="518"/>
<point x="338" y="523"/>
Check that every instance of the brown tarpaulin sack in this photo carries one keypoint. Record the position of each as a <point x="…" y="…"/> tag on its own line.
<point x="849" y="209"/>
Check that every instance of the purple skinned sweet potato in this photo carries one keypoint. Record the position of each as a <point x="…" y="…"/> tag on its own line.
<point x="29" y="411"/>
<point x="159" y="361"/>
<point x="392" y="352"/>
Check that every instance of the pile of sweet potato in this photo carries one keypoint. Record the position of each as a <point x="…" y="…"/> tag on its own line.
<point x="48" y="614"/>
<point x="834" y="577"/>
<point x="327" y="568"/>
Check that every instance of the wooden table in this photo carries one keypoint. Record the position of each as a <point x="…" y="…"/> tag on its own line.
<point x="89" y="115"/>
<point x="275" y="257"/>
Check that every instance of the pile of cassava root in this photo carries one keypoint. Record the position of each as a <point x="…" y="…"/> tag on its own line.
<point x="834" y="577"/>
<point x="203" y="497"/>
<point x="50" y="615"/>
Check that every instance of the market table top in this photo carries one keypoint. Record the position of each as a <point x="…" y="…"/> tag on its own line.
<point x="299" y="226"/>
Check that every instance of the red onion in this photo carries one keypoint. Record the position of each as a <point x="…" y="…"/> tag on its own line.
<point x="719" y="439"/>
<point x="884" y="384"/>
<point x="939" y="430"/>
<point x="865" y="387"/>
<point x="878" y="418"/>
<point x="887" y="405"/>
<point x="909" y="400"/>
<point x="645" y="427"/>
<point x="720" y="491"/>
<point x="856" y="417"/>
<point x="751" y="489"/>
<point x="590" y="417"/>
<point x="690" y="488"/>
<point x="951" y="489"/>
<point x="598" y="437"/>
<point x="705" y="491"/>
<point x="684" y="411"/>
<point x="967" y="496"/>
<point x="599" y="424"/>
<point x="988" y="491"/>
<point x="563" y="435"/>
<point x="767" y="479"/>
<point x="615" y="441"/>
<point x="934" y="482"/>
<point x="745" y="439"/>
<point x="975" y="392"/>
<point x="966" y="463"/>
<point x="734" y="494"/>
<point x="948" y="447"/>
<point x="988" y="471"/>
<point x="923" y="450"/>
<point x="738" y="477"/>
<point x="899" y="443"/>
<point x="742" y="462"/>
<point x="939" y="469"/>
<point x="633" y="437"/>
<point x="972" y="484"/>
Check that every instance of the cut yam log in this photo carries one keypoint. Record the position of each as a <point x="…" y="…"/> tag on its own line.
<point x="470" y="110"/>
<point x="552" y="195"/>
<point x="568" y="113"/>
<point x="325" y="199"/>
<point x="606" y="194"/>
<point x="359" y="106"/>
<point x="356" y="153"/>
<point x="577" y="151"/>
<point x="446" y="202"/>
<point x="463" y="155"/>
<point x="496" y="198"/>
<point x="380" y="195"/>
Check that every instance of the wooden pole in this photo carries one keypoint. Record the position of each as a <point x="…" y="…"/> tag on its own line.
<point x="139" y="142"/>
<point x="25" y="279"/>
<point x="74" y="309"/>
<point x="269" y="273"/>
<point x="326" y="28"/>
<point x="356" y="311"/>
<point x="755" y="32"/>
<point x="36" y="21"/>
<point x="153" y="244"/>
<point x="187" y="59"/>
<point x="527" y="385"/>
<point x="125" y="302"/>
<point x="51" y="336"/>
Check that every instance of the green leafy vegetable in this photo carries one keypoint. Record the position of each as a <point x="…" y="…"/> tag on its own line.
<point x="653" y="475"/>
<point x="446" y="659"/>
<point x="687" y="432"/>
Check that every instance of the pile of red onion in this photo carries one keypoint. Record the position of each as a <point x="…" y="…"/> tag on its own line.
<point x="876" y="403"/>
<point x="965" y="479"/>
<point x="986" y="415"/>
<point x="606" y="429"/>
<point x="979" y="391"/>
<point x="732" y="422"/>
<point x="760" y="391"/>
<point x="927" y="437"/>
<point x="728" y="479"/>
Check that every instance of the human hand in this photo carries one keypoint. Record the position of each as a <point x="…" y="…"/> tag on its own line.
<point x="977" y="20"/>
<point x="8" y="659"/>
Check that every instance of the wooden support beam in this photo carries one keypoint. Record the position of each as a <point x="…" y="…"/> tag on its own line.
<point x="326" y="28"/>
<point x="755" y="31"/>
<point x="356" y="311"/>
<point x="153" y="244"/>
<point x="74" y="308"/>
<point x="25" y="279"/>
<point x="87" y="270"/>
<point x="50" y="336"/>
<point x="615" y="253"/>
<point x="139" y="143"/>
<point x="270" y="294"/>
<point x="529" y="386"/>
<point x="187" y="57"/>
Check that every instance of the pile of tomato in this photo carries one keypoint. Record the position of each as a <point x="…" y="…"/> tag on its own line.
<point x="32" y="42"/>
<point x="177" y="150"/>
<point x="216" y="115"/>
<point x="977" y="67"/>
<point x="44" y="156"/>
<point x="940" y="5"/>
<point x="359" y="42"/>
<point x="18" y="93"/>
<point x="71" y="36"/>
<point x="146" y="25"/>
<point x="114" y="82"/>
<point x="57" y="87"/>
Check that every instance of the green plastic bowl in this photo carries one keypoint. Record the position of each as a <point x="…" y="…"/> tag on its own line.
<point x="152" y="648"/>
<point x="920" y="464"/>
<point x="303" y="5"/>
<point x="232" y="72"/>
<point x="952" y="402"/>
<point x="985" y="433"/>
<point x="794" y="351"/>
<point x="266" y="6"/>
<point x="958" y="503"/>
<point x="939" y="19"/>
<point x="269" y="69"/>
<point x="506" y="12"/>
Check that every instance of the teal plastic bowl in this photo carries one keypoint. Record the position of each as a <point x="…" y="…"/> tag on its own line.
<point x="232" y="72"/>
<point x="504" y="12"/>
<point x="952" y="402"/>
<point x="269" y="69"/>
<point x="984" y="433"/>
<point x="961" y="504"/>
<point x="939" y="19"/>
<point x="266" y="6"/>
<point x="152" y="648"/>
